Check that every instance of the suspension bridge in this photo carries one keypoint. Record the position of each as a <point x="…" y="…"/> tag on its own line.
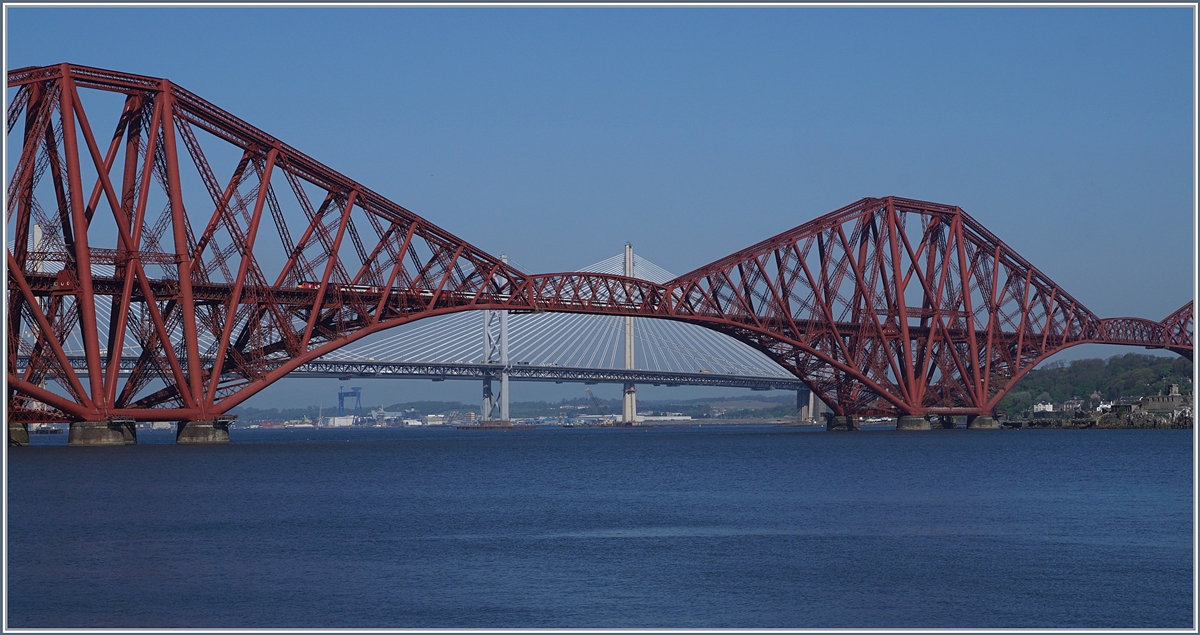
<point x="215" y="287"/>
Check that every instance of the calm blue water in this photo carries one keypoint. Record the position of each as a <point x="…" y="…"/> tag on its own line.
<point x="667" y="527"/>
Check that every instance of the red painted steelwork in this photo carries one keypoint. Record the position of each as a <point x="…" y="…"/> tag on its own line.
<point x="898" y="306"/>
<point x="885" y="306"/>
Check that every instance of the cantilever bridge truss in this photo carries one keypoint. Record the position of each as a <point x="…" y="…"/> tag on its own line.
<point x="227" y="258"/>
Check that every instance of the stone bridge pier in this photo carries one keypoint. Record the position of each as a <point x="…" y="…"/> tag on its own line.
<point x="123" y="431"/>
<point x="912" y="422"/>
<point x="18" y="434"/>
<point x="205" y="431"/>
<point x="112" y="431"/>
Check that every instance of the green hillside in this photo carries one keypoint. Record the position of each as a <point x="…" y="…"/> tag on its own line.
<point x="1130" y="375"/>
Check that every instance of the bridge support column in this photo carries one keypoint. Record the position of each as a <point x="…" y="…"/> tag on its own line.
<point x="834" y="422"/>
<point x="629" y="398"/>
<point x="813" y="410"/>
<point x="18" y="434"/>
<point x="504" y="357"/>
<point x="206" y="431"/>
<point x="114" y="431"/>
<point x="982" y="422"/>
<point x="947" y="422"/>
<point x="504" y="360"/>
<point x="489" y="402"/>
<point x="912" y="422"/>
<point x="629" y="405"/>
<point x="489" y="399"/>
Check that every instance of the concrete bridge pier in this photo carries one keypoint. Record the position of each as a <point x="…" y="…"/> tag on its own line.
<point x="204" y="431"/>
<point x="982" y="422"/>
<point x="912" y="422"/>
<point x="836" y="422"/>
<point x="629" y="398"/>
<point x="18" y="434"/>
<point x="112" y="431"/>
<point x="808" y="407"/>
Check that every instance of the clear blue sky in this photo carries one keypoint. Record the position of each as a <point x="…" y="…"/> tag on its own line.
<point x="555" y="135"/>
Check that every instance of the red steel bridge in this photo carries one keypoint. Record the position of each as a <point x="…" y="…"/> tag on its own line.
<point x="229" y="258"/>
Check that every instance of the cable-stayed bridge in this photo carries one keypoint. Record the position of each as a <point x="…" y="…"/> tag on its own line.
<point x="564" y="347"/>
<point x="571" y="340"/>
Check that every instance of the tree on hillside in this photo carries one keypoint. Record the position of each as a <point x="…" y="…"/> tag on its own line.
<point x="1131" y="375"/>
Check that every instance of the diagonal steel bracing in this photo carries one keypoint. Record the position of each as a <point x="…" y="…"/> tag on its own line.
<point x="886" y="306"/>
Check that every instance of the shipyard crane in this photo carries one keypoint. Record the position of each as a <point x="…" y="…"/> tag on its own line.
<point x="356" y="392"/>
<point x="599" y="408"/>
<point x="595" y="402"/>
